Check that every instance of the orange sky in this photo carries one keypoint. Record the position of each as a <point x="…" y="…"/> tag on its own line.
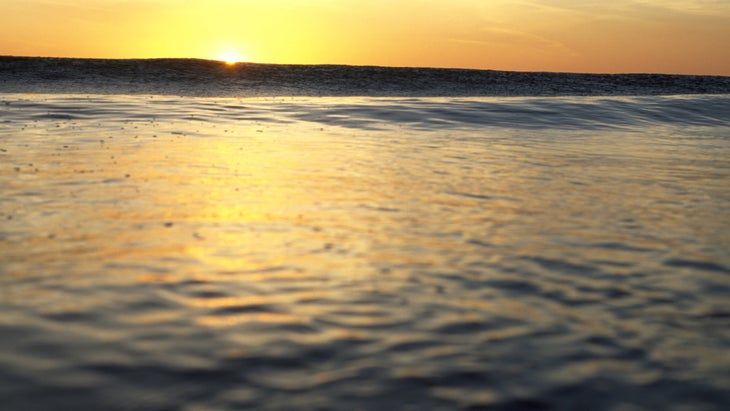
<point x="659" y="36"/>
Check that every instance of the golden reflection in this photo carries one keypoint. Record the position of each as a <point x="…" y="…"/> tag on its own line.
<point x="239" y="199"/>
<point x="254" y="300"/>
<point x="152" y="317"/>
<point x="156" y="278"/>
<point x="247" y="202"/>
<point x="236" y="319"/>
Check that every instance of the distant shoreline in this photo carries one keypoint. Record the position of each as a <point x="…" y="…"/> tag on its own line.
<point x="252" y="63"/>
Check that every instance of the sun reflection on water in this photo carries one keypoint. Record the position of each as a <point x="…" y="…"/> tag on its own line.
<point x="289" y="254"/>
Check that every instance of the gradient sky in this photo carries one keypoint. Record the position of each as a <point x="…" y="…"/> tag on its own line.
<point x="658" y="36"/>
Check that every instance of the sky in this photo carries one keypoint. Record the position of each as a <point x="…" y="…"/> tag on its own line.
<point x="615" y="36"/>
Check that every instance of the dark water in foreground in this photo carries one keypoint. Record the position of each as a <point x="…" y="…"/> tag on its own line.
<point x="161" y="253"/>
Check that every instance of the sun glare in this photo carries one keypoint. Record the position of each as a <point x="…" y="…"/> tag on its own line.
<point x="230" y="57"/>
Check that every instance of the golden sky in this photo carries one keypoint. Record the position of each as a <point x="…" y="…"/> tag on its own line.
<point x="608" y="36"/>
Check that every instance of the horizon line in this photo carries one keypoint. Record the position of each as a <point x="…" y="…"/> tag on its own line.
<point x="360" y="65"/>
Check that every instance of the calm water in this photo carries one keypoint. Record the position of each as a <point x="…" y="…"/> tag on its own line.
<point x="161" y="253"/>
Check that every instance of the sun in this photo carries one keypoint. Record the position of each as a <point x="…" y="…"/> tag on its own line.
<point x="230" y="57"/>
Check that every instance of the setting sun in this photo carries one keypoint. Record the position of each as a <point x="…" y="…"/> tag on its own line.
<point x="230" y="57"/>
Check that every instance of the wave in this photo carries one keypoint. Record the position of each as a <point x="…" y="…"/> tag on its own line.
<point x="372" y="113"/>
<point x="195" y="77"/>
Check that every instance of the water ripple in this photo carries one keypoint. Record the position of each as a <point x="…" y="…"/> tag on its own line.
<point x="523" y="253"/>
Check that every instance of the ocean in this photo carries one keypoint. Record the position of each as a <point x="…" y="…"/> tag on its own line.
<point x="188" y="235"/>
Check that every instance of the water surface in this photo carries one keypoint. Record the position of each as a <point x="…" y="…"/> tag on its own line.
<point x="160" y="253"/>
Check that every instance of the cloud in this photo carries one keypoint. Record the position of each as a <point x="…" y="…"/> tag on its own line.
<point x="713" y="8"/>
<point x="516" y="38"/>
<point x="634" y="8"/>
